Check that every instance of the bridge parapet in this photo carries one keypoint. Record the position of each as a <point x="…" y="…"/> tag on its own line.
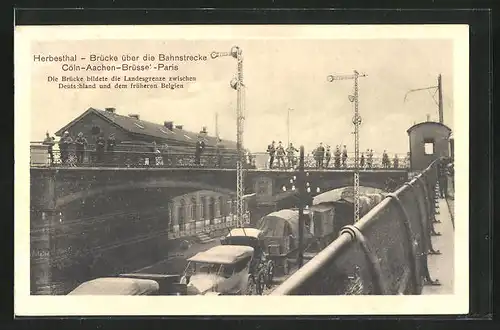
<point x="385" y="253"/>
<point x="43" y="156"/>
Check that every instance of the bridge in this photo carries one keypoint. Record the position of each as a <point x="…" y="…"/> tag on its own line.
<point x="83" y="211"/>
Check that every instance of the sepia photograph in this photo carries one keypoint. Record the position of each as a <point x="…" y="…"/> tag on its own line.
<point x="259" y="161"/>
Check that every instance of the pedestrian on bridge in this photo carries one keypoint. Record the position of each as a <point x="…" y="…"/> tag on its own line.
<point x="362" y="161"/>
<point x="385" y="160"/>
<point x="337" y="156"/>
<point x="344" y="156"/>
<point x="49" y="142"/>
<point x="64" y="144"/>
<point x="280" y="155"/>
<point x="100" y="144"/>
<point x="443" y="177"/>
<point x="395" y="161"/>
<point x="271" y="150"/>
<point x="200" y="147"/>
<point x="370" y="158"/>
<point x="328" y="156"/>
<point x="290" y="154"/>
<point x="110" y="146"/>
<point x="320" y="155"/>
<point x="81" y="143"/>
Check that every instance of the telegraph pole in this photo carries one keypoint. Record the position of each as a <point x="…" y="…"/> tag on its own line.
<point x="437" y="89"/>
<point x="440" y="99"/>
<point x="302" y="196"/>
<point x="356" y="120"/>
<point x="237" y="84"/>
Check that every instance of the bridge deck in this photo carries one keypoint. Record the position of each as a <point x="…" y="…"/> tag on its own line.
<point x="263" y="170"/>
<point x="441" y="266"/>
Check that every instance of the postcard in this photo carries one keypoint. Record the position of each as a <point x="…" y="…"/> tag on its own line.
<point x="241" y="170"/>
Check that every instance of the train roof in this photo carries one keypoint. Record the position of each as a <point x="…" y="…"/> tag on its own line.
<point x="250" y="232"/>
<point x="427" y="123"/>
<point x="223" y="254"/>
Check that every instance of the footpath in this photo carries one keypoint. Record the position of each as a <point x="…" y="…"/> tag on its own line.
<point x="441" y="266"/>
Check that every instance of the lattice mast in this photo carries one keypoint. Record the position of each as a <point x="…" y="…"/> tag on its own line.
<point x="239" y="139"/>
<point x="237" y="84"/>
<point x="357" y="122"/>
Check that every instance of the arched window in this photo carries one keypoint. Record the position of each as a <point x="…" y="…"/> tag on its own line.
<point x="194" y="209"/>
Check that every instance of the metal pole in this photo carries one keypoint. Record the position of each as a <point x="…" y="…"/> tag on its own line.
<point x="239" y="139"/>
<point x="357" y="122"/>
<point x="302" y="195"/>
<point x="440" y="102"/>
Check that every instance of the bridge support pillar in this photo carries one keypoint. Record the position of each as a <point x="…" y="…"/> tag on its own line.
<point x="42" y="253"/>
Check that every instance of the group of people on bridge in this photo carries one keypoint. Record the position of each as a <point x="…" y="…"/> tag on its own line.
<point x="72" y="150"/>
<point x="322" y="157"/>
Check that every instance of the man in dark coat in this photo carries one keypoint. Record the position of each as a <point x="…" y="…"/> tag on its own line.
<point x="100" y="145"/>
<point x="49" y="142"/>
<point x="200" y="147"/>
<point x="271" y="150"/>
<point x="344" y="156"/>
<point x="80" y="143"/>
<point x="443" y="177"/>
<point x="320" y="155"/>
<point x="328" y="156"/>
<point x="64" y="144"/>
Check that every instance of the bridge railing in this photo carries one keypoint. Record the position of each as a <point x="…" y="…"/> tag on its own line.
<point x="312" y="162"/>
<point x="385" y="253"/>
<point x="42" y="156"/>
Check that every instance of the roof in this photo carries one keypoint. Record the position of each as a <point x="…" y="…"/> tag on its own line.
<point x="116" y="286"/>
<point x="279" y="223"/>
<point x="427" y="123"/>
<point x="284" y="214"/>
<point x="223" y="254"/>
<point x="344" y="193"/>
<point x="142" y="127"/>
<point x="252" y="232"/>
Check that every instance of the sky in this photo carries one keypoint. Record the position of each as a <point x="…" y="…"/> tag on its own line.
<point x="278" y="74"/>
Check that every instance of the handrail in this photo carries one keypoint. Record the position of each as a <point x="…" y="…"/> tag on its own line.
<point x="316" y="267"/>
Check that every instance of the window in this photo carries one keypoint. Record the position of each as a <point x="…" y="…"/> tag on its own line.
<point x="429" y="146"/>
<point x="96" y="130"/>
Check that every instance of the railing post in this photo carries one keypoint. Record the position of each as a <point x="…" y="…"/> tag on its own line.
<point x="379" y="284"/>
<point x="411" y="255"/>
